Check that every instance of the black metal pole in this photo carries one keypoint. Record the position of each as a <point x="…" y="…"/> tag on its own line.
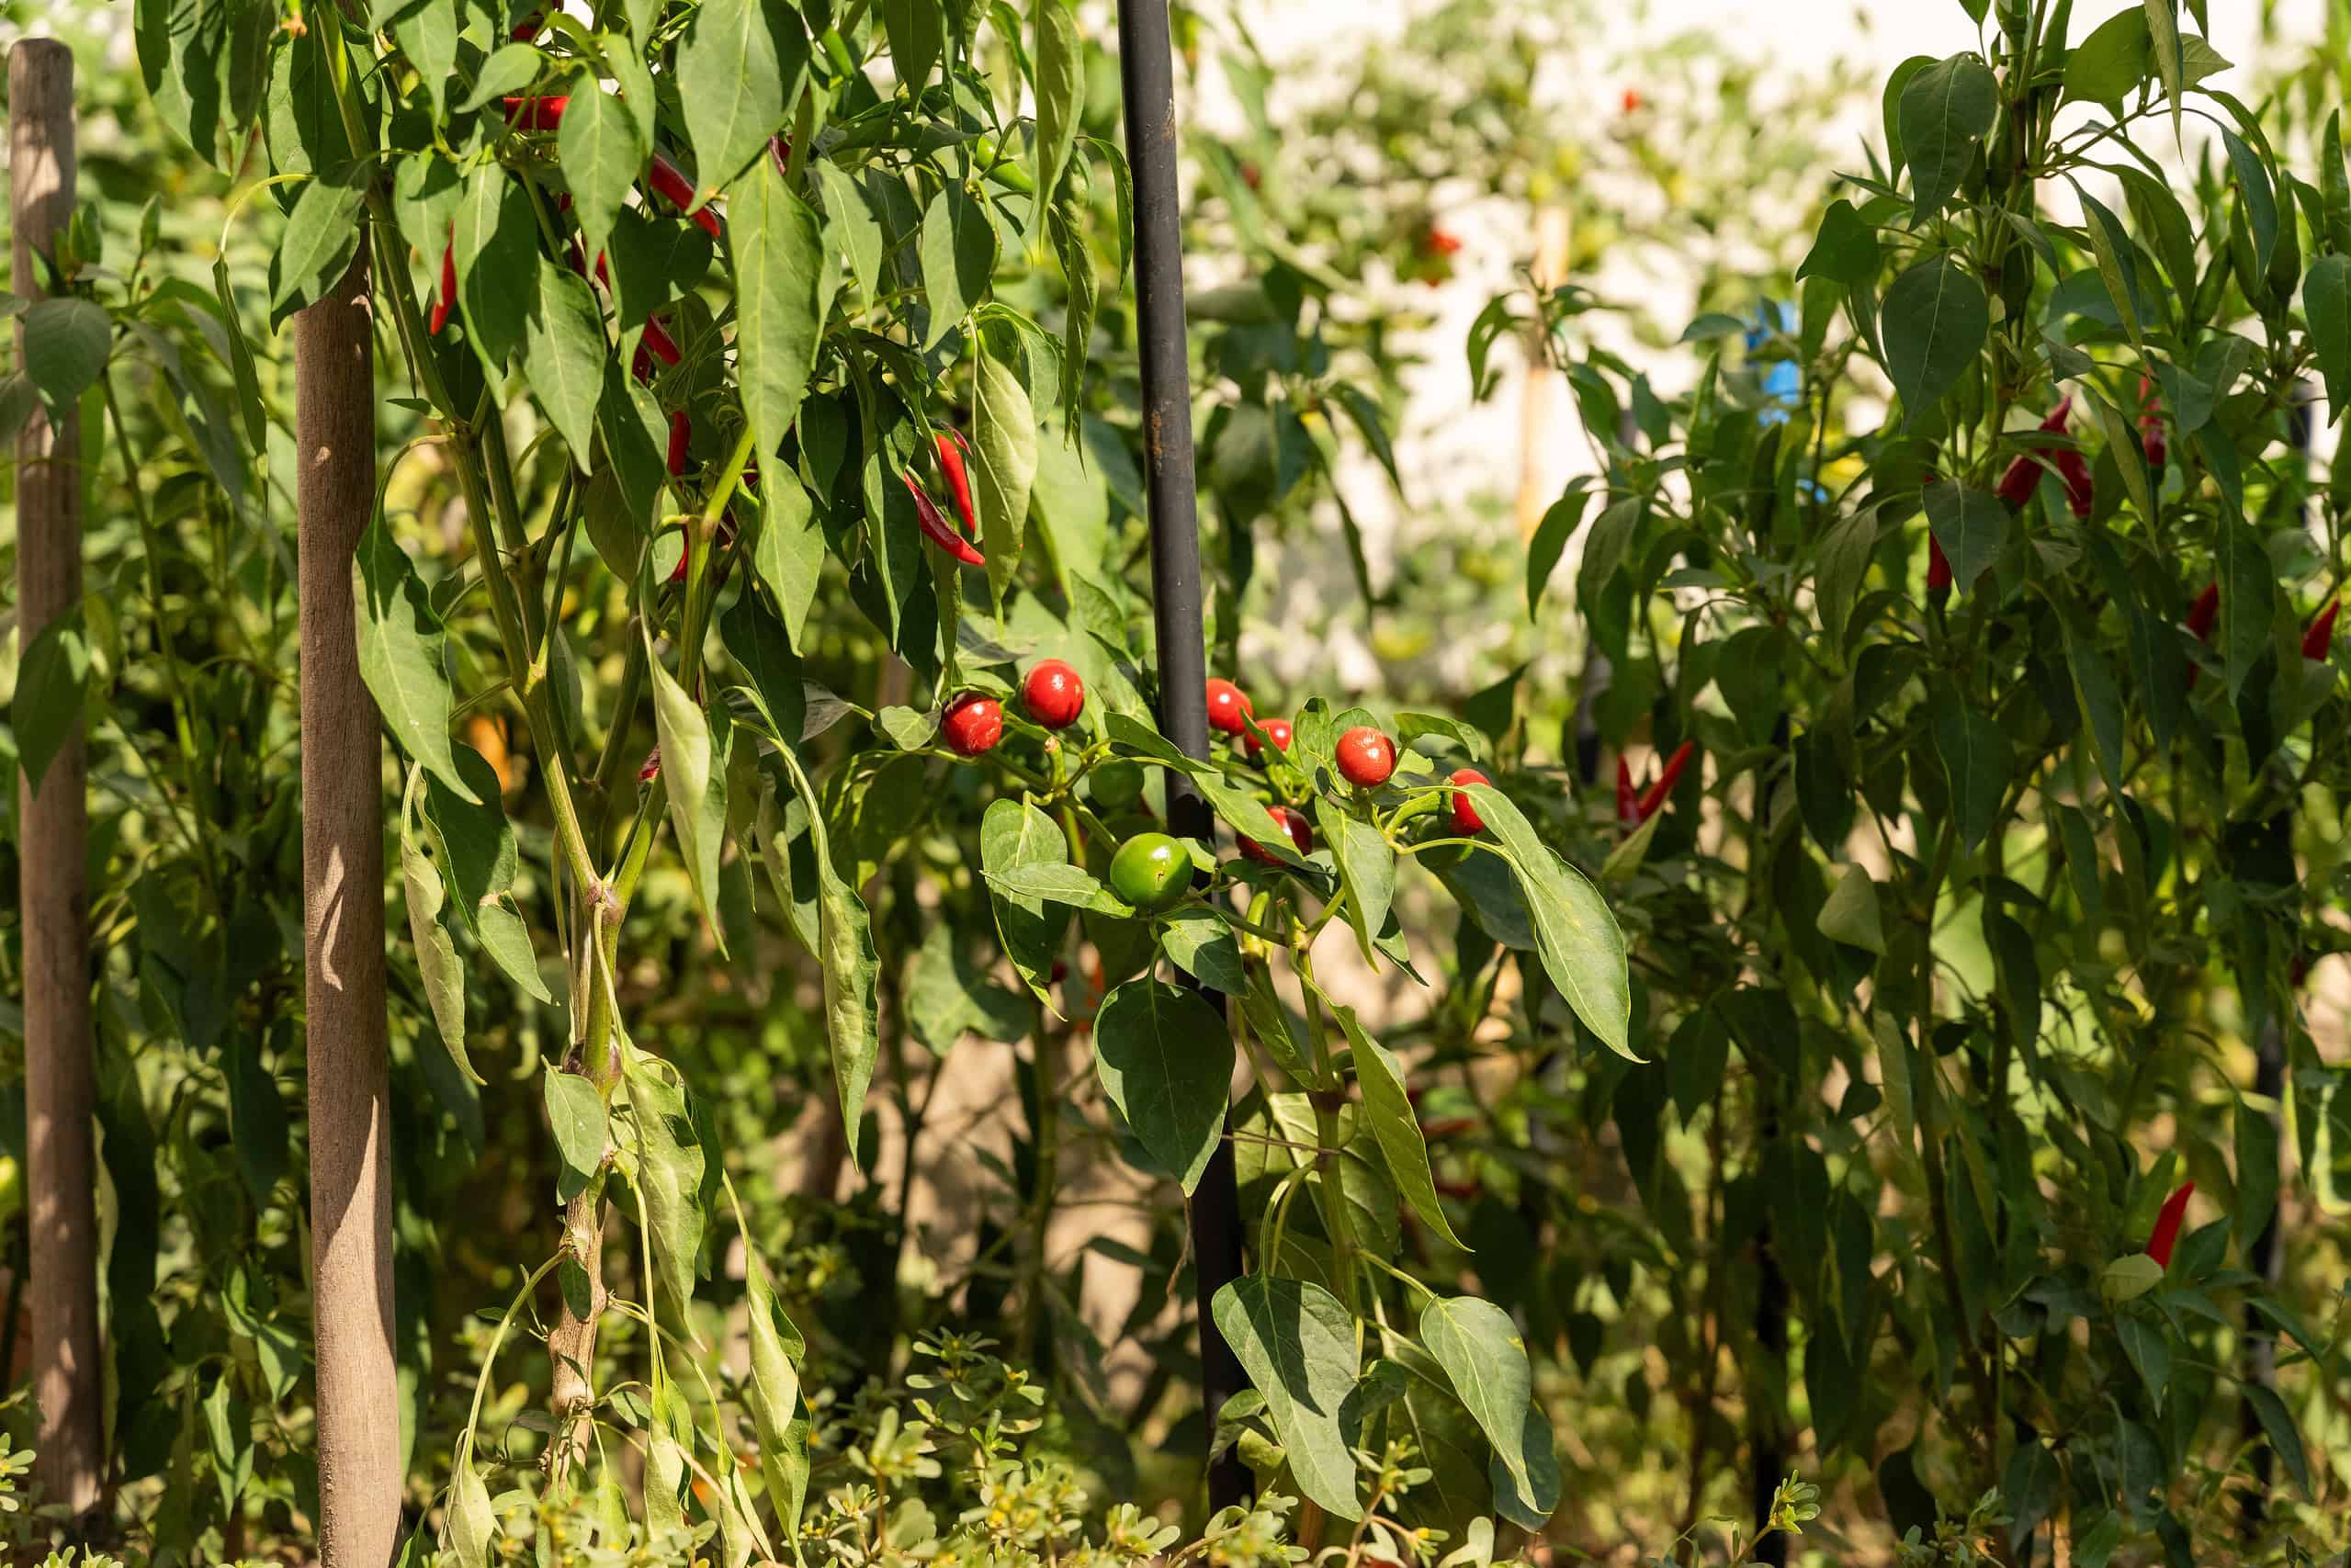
<point x="1146" y="70"/>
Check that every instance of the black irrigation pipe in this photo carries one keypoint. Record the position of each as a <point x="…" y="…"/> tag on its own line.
<point x="1146" y="66"/>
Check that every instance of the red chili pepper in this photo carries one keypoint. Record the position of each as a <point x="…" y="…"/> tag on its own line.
<point x="2174" y="1209"/>
<point x="653" y="768"/>
<point x="1442" y="243"/>
<point x="935" y="529"/>
<point x="958" y="482"/>
<point x="527" y="28"/>
<point x="449" y="287"/>
<point x="1939" y="567"/>
<point x="536" y="114"/>
<point x="681" y="431"/>
<point x="659" y="343"/>
<point x="780" y="149"/>
<point x="668" y="180"/>
<point x="2023" y="474"/>
<point x="2204" y="612"/>
<point x="685" y="556"/>
<point x="2153" y="442"/>
<point x="1626" y="803"/>
<point x="2200" y="616"/>
<point x="1657" y="793"/>
<point x="2320" y="638"/>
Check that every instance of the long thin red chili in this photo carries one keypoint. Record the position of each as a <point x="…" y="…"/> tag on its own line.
<point x="958" y="482"/>
<point x="1627" y="801"/>
<point x="935" y="529"/>
<point x="1938" y="567"/>
<point x="681" y="432"/>
<point x="449" y="287"/>
<point x="668" y="180"/>
<point x="1657" y="793"/>
<point x="2023" y="474"/>
<point x="656" y="344"/>
<point x="2320" y="638"/>
<point x="2174" y="1209"/>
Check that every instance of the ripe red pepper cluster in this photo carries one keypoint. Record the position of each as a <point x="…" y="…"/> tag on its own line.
<point x="2023" y="475"/>
<point x="932" y="521"/>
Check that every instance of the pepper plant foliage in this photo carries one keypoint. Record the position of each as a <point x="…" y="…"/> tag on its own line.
<point x="1992" y="581"/>
<point x="698" y="307"/>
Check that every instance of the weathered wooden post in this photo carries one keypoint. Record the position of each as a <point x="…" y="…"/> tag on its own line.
<point x="343" y="924"/>
<point x="60" y="1070"/>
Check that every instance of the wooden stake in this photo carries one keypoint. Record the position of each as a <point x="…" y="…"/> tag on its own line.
<point x="343" y="924"/>
<point x="60" y="1089"/>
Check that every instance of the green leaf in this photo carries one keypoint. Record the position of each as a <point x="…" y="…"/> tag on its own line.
<point x="2163" y="39"/>
<point x="400" y="654"/>
<point x="468" y="1527"/>
<point x="1975" y="759"/>
<point x="1060" y="65"/>
<point x="2101" y="700"/>
<point x="758" y="642"/>
<point x="1395" y="1126"/>
<point x="1970" y="525"/>
<point x="2277" y="1423"/>
<point x="1198" y="942"/>
<point x="1550" y="541"/>
<point x="2117" y="262"/>
<point x="510" y="69"/>
<point x="1297" y="1343"/>
<point x="1935" y="320"/>
<point x="1059" y="884"/>
<point x="959" y="255"/>
<point x="774" y="1391"/>
<point x="65" y="346"/>
<point x="739" y="68"/>
<point x="2256" y="1203"/>
<point x="2326" y="304"/>
<point x="563" y="356"/>
<point x="850" y="226"/>
<point x="2260" y="198"/>
<point x="1014" y="834"/>
<point x="2143" y="1342"/>
<point x="2105" y="67"/>
<point x="428" y="36"/>
<point x="436" y="954"/>
<point x="2248" y="600"/>
<point x="1366" y="868"/>
<point x="789" y="553"/>
<point x="1845" y="250"/>
<point x="853" y="1020"/>
<point x="1850" y="914"/>
<point x="915" y="36"/>
<point x="1946" y="109"/>
<point x="601" y="146"/>
<point x="778" y="258"/>
<point x="697" y="791"/>
<point x="575" y="1113"/>
<point x="495" y="245"/>
<point x="1166" y="1062"/>
<point x="669" y="1159"/>
<point x="1581" y="948"/>
<point x="1478" y="1345"/>
<point x="52" y="686"/>
<point x="1004" y="440"/>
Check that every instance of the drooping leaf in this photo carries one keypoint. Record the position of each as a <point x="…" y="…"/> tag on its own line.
<point x="1004" y="433"/>
<point x="1014" y="834"/>
<point x="1166" y="1062"/>
<point x="2326" y="305"/>
<point x="436" y="954"/>
<point x="697" y="790"/>
<point x="670" y="1160"/>
<point x="2248" y="600"/>
<point x="53" y="685"/>
<point x="1059" y="59"/>
<point x="1479" y="1347"/>
<point x="852" y="1019"/>
<point x="1946" y="109"/>
<point x="1970" y="525"/>
<point x="958" y="254"/>
<point x="740" y="66"/>
<point x="1975" y="759"/>
<point x="1935" y="319"/>
<point x="1581" y="948"/>
<point x="1395" y="1125"/>
<point x="778" y="255"/>
<point x="1297" y="1343"/>
<point x="65" y="346"/>
<point x="575" y="1114"/>
<point x="603" y="146"/>
<point x="563" y="356"/>
<point x="400" y="656"/>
